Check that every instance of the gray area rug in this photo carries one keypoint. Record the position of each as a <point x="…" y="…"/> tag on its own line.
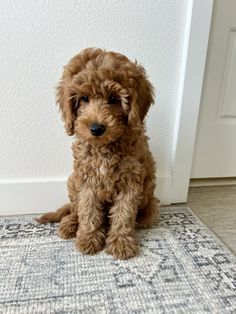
<point x="182" y="268"/>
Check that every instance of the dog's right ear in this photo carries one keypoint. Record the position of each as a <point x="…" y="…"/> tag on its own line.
<point x="65" y="99"/>
<point x="65" y="103"/>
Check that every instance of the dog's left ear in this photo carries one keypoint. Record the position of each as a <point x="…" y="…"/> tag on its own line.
<point x="143" y="97"/>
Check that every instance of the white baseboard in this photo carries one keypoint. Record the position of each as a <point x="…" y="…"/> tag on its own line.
<point x="212" y="182"/>
<point x="32" y="196"/>
<point x="163" y="189"/>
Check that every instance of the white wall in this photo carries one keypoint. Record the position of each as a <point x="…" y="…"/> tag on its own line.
<point x="37" y="39"/>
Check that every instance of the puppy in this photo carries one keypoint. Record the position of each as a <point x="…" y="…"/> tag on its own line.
<point x="104" y="98"/>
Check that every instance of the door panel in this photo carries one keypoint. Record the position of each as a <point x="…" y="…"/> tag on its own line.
<point x="215" y="147"/>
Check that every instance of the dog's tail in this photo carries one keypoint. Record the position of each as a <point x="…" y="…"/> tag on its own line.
<point x="55" y="216"/>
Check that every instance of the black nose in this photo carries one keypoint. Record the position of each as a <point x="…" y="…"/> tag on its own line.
<point x="97" y="129"/>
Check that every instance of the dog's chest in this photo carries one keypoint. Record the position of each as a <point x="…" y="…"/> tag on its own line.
<point x="100" y="173"/>
<point x="103" y="169"/>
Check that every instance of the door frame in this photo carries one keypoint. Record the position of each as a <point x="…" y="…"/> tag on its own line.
<point x="191" y="80"/>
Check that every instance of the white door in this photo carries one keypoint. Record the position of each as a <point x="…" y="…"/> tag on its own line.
<point x="215" y="147"/>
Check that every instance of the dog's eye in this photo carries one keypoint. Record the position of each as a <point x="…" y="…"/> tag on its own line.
<point x="113" y="99"/>
<point x="85" y="98"/>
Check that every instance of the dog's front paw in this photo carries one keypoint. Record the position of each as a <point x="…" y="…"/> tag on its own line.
<point x="122" y="247"/>
<point x="90" y="243"/>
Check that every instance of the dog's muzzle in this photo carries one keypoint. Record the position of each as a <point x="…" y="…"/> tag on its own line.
<point x="97" y="129"/>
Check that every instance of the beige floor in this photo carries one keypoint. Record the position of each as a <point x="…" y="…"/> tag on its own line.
<point x="216" y="207"/>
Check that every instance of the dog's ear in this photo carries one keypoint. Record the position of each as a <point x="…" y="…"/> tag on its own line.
<point x="66" y="104"/>
<point x="142" y="97"/>
<point x="146" y="95"/>
<point x="65" y="97"/>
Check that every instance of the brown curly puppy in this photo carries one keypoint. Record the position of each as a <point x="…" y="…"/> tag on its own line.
<point x="104" y="97"/>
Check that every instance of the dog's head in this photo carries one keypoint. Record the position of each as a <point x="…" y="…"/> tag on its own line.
<point x="101" y="94"/>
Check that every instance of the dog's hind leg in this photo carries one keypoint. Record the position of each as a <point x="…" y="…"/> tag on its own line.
<point x="149" y="214"/>
<point x="68" y="226"/>
<point x="55" y="216"/>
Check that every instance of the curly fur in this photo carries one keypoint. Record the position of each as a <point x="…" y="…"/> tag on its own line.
<point x="111" y="189"/>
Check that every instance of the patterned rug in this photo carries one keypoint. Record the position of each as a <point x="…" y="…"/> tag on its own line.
<point x="182" y="268"/>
